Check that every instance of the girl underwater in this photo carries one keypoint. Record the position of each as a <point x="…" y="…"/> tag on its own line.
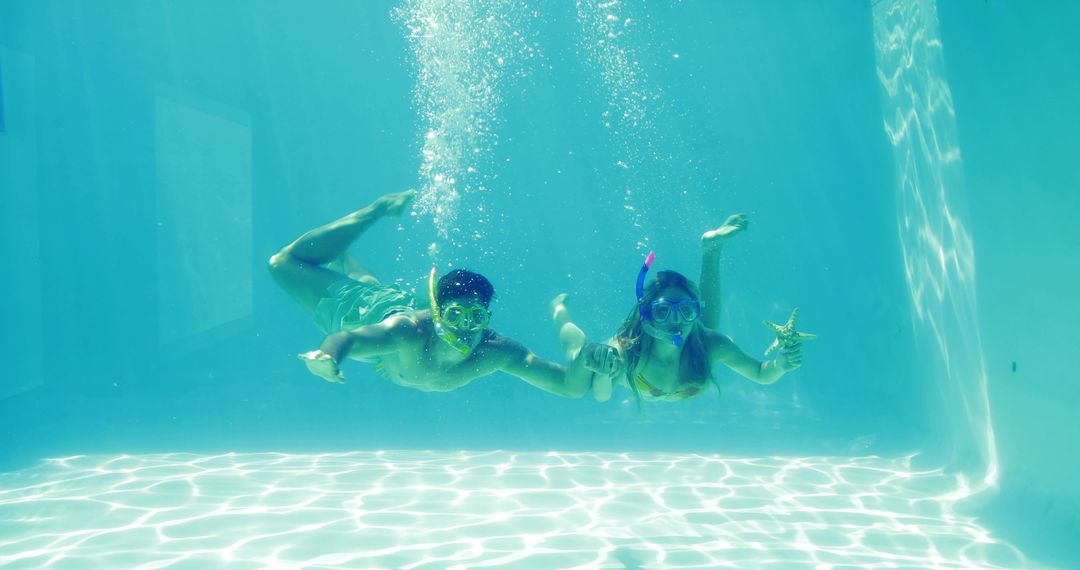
<point x="666" y="347"/>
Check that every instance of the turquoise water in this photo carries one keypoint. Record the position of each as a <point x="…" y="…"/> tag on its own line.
<point x="154" y="155"/>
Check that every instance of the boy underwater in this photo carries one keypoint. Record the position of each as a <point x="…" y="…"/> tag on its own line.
<point x="434" y="349"/>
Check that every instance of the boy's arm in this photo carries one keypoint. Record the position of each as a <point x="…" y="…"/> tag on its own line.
<point x="364" y="342"/>
<point x="593" y="362"/>
<point x="544" y="374"/>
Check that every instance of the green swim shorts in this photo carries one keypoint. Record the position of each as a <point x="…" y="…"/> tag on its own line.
<point x="349" y="304"/>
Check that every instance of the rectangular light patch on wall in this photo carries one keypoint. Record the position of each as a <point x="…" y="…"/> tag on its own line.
<point x="22" y="349"/>
<point x="204" y="237"/>
<point x="2" y="127"/>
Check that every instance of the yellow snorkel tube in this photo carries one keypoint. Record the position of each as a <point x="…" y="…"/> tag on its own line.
<point x="436" y="316"/>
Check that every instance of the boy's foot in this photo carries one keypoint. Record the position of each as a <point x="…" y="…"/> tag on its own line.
<point x="713" y="240"/>
<point x="395" y="204"/>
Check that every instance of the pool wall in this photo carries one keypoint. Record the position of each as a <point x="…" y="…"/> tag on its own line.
<point x="1014" y="96"/>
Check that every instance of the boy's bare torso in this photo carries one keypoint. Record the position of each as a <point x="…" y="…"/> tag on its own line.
<point x="425" y="363"/>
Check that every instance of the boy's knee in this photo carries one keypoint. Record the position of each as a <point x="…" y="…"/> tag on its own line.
<point x="278" y="261"/>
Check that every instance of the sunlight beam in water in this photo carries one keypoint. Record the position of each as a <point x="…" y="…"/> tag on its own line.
<point x="938" y="253"/>
<point x="413" y="509"/>
<point x="464" y="55"/>
<point x="612" y="34"/>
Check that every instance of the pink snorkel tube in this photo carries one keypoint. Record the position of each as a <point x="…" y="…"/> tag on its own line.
<point x="676" y="338"/>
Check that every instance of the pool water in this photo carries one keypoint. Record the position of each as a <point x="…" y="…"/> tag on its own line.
<point x="907" y="166"/>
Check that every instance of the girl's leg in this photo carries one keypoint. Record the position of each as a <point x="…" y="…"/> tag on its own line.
<point x="571" y="336"/>
<point x="710" y="287"/>
<point x="712" y="242"/>
<point x="578" y="378"/>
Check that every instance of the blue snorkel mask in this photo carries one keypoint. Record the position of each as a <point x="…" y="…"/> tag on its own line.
<point x="675" y="338"/>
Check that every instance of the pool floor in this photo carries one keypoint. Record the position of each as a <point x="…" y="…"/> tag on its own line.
<point x="497" y="509"/>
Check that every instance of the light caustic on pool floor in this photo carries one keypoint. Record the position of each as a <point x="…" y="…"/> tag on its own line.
<point x="429" y="509"/>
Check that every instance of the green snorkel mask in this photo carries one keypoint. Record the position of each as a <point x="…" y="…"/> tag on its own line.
<point x="476" y="317"/>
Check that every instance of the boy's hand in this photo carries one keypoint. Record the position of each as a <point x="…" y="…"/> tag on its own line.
<point x="323" y="365"/>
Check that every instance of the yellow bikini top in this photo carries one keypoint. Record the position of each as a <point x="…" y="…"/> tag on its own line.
<point x="644" y="386"/>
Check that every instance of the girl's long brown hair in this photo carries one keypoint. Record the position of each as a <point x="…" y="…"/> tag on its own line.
<point x="694" y="366"/>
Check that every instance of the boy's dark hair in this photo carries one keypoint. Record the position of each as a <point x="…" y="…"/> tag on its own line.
<point x="462" y="283"/>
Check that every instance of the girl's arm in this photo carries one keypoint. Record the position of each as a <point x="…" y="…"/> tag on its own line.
<point x="722" y="349"/>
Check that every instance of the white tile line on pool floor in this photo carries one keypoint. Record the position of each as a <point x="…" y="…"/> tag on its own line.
<point x="498" y="509"/>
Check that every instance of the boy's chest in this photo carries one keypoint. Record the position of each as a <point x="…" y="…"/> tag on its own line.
<point x="427" y="369"/>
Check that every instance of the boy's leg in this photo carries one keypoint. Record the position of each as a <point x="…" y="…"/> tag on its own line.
<point x="300" y="267"/>
<point x="352" y="268"/>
